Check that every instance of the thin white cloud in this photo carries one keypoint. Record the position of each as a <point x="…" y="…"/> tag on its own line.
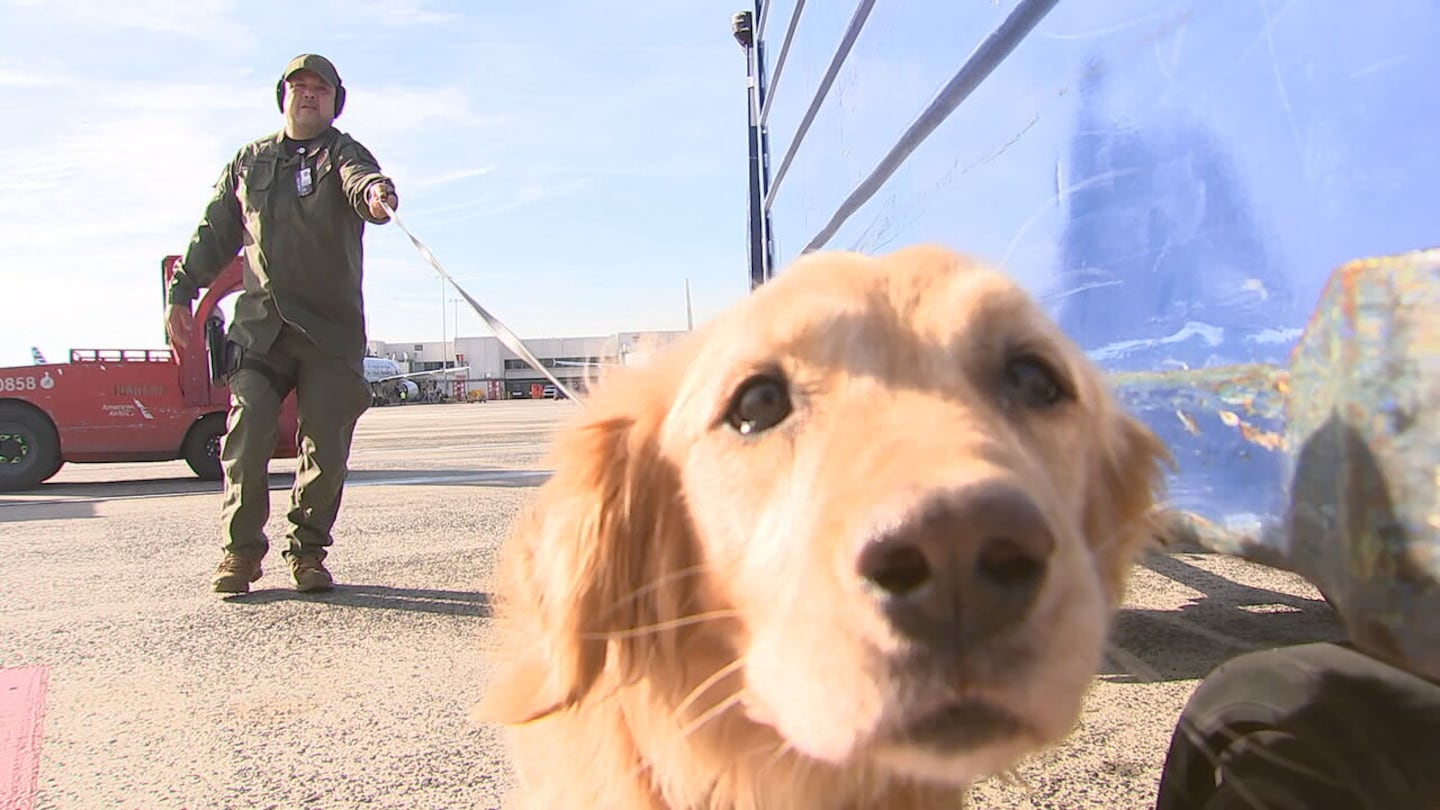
<point x="455" y="176"/>
<point x="506" y="192"/>
<point x="129" y="173"/>
<point x="197" y="99"/>
<point x="11" y="77"/>
<point x="409" y="110"/>
<point x="192" y="19"/>
<point x="396" y="12"/>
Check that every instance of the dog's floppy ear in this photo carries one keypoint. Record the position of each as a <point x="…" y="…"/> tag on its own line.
<point x="1121" y="516"/>
<point x="585" y="572"/>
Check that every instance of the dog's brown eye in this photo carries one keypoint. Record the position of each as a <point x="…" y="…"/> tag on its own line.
<point x="1032" y="383"/>
<point x="760" y="404"/>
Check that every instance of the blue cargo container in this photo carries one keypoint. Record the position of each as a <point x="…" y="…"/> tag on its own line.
<point x="1191" y="188"/>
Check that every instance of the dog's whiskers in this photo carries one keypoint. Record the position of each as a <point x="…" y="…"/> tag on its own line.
<point x="710" y="714"/>
<point x="660" y="582"/>
<point x="780" y="751"/>
<point x="768" y="749"/>
<point x="645" y="629"/>
<point x="704" y="686"/>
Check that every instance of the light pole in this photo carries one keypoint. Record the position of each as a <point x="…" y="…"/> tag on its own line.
<point x="455" y="320"/>
<point x="442" y="328"/>
<point x="455" y="338"/>
<point x="742" y="27"/>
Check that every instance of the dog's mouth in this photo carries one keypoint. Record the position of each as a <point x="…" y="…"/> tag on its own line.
<point x="959" y="725"/>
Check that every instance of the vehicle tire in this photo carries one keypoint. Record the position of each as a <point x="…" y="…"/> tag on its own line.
<point x="29" y="447"/>
<point x="202" y="447"/>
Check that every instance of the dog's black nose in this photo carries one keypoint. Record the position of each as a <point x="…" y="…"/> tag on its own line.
<point x="962" y="566"/>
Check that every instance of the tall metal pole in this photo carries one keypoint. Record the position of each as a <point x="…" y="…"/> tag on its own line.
<point x="454" y="339"/>
<point x="443" y="333"/>
<point x="742" y="26"/>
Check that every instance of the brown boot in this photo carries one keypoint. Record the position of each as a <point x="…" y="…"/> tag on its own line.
<point x="310" y="573"/>
<point x="235" y="573"/>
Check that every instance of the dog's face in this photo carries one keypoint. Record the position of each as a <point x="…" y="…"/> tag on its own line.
<point x="901" y="504"/>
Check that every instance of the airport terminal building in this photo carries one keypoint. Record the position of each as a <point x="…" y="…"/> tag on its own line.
<point x="484" y="367"/>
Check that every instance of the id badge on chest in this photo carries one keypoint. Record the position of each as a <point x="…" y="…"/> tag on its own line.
<point x="304" y="179"/>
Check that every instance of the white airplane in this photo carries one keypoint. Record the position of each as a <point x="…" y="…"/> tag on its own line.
<point x="382" y="370"/>
<point x="582" y="364"/>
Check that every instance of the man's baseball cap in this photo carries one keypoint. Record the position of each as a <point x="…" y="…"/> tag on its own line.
<point x="312" y="62"/>
<point x="322" y="67"/>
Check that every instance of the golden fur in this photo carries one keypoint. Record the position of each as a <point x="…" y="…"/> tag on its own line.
<point x="899" y="586"/>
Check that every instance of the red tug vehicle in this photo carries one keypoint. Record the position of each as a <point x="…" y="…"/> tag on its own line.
<point x="108" y="405"/>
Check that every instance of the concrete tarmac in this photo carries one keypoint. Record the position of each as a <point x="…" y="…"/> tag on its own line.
<point x="164" y="695"/>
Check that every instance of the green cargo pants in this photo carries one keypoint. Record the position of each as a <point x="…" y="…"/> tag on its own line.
<point x="330" y="394"/>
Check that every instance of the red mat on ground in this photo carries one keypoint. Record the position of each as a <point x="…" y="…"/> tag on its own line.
<point x="22" y="708"/>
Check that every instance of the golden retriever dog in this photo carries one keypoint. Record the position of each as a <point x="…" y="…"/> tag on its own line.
<point x="855" y="543"/>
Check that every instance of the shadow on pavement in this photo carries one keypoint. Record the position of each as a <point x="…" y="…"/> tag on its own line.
<point x="139" y="487"/>
<point x="21" y="511"/>
<point x="1228" y="619"/>
<point x="421" y="600"/>
<point x="66" y="499"/>
<point x="492" y="477"/>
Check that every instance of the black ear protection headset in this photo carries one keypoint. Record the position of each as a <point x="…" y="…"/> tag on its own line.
<point x="339" y="94"/>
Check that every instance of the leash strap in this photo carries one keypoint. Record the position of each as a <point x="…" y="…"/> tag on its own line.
<point x="510" y="339"/>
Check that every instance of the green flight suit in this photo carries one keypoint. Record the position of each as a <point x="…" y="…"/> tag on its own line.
<point x="299" y="323"/>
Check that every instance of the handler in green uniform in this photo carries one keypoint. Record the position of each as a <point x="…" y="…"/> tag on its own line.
<point x="297" y="202"/>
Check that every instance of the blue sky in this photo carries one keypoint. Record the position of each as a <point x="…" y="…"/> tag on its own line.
<point x="572" y="163"/>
